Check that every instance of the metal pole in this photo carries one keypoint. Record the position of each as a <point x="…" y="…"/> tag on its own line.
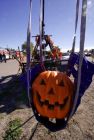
<point x="41" y="28"/>
<point x="76" y="23"/>
<point x="43" y="24"/>
<point x="82" y="41"/>
<point x="28" y="53"/>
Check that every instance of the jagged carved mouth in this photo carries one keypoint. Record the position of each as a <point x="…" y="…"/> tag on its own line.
<point x="51" y="107"/>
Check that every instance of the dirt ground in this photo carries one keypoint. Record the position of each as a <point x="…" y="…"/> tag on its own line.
<point x="13" y="105"/>
<point x="9" y="68"/>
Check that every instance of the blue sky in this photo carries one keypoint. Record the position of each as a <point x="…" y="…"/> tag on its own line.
<point x="59" y="21"/>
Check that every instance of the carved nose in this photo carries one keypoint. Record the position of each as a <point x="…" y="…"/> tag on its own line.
<point x="51" y="91"/>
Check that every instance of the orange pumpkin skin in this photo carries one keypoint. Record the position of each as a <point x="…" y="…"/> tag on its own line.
<point x="52" y="94"/>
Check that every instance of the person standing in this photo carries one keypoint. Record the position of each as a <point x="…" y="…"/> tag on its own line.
<point x="4" y="57"/>
<point x="0" y="57"/>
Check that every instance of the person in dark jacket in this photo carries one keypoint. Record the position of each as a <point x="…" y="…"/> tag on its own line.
<point x="4" y="57"/>
<point x="0" y="57"/>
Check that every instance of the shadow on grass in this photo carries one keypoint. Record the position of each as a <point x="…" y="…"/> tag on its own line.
<point x="12" y="94"/>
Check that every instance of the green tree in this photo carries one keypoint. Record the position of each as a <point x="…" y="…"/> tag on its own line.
<point x="24" y="46"/>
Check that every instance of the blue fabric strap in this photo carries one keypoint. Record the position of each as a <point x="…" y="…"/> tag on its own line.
<point x="87" y="72"/>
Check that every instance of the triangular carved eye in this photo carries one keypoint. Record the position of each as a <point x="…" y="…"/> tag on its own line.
<point x="42" y="82"/>
<point x="61" y="83"/>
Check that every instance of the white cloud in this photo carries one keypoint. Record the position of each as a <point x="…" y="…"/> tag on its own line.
<point x="90" y="11"/>
<point x="89" y="3"/>
<point x="89" y="47"/>
<point x="65" y="49"/>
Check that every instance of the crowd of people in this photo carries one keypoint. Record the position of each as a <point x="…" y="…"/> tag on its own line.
<point x="2" y="57"/>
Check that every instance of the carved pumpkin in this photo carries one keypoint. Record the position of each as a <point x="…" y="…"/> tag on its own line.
<point x="52" y="94"/>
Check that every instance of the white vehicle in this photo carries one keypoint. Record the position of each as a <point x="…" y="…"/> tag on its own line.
<point x="66" y="56"/>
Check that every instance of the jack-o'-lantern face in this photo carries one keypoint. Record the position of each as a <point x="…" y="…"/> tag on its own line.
<point x="52" y="94"/>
